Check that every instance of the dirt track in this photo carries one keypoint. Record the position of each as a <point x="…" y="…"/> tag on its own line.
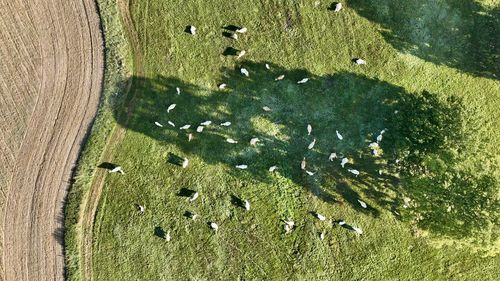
<point x="115" y="139"/>
<point x="50" y="84"/>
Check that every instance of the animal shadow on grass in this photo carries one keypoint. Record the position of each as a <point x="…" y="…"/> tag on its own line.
<point x="174" y="159"/>
<point x="188" y="214"/>
<point x="357" y="106"/>
<point x="107" y="166"/>
<point x="238" y="202"/>
<point x="227" y="34"/>
<point x="159" y="232"/>
<point x="230" y="51"/>
<point x="231" y="27"/>
<point x="314" y="214"/>
<point x="185" y="192"/>
<point x="345" y="225"/>
<point x="462" y="34"/>
<point x="187" y="29"/>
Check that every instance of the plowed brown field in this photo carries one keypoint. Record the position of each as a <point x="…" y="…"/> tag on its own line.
<point x="50" y="83"/>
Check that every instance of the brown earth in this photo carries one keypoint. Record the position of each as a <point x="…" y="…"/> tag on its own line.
<point x="50" y="83"/>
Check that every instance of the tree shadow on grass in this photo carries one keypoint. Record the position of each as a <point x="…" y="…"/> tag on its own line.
<point x="458" y="33"/>
<point x="358" y="107"/>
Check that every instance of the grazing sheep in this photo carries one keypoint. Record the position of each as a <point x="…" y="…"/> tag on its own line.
<point x="320" y="217"/>
<point x="254" y="141"/>
<point x="339" y="136"/>
<point x="117" y="169"/>
<point x="338" y="7"/>
<point x="332" y="156"/>
<point x="343" y="162"/>
<point x="359" y="61"/>
<point x="140" y="208"/>
<point x="363" y="204"/>
<point x="380" y="136"/>
<point x="289" y="225"/>
<point x="194" y="197"/>
<point x="311" y="145"/>
<point x="353" y="171"/>
<point x="358" y="230"/>
<point x="192" y="30"/>
<point x="214" y="226"/>
<point x="171" y="107"/>
<point x="241" y="30"/>
<point x="241" y="54"/>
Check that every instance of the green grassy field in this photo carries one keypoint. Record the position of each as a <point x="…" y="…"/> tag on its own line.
<point x="446" y="234"/>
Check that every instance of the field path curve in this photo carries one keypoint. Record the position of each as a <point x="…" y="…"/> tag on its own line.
<point x="115" y="138"/>
<point x="56" y="53"/>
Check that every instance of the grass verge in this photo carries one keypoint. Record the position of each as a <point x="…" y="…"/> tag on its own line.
<point x="116" y="70"/>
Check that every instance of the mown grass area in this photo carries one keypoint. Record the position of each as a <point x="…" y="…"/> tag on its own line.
<point x="303" y="39"/>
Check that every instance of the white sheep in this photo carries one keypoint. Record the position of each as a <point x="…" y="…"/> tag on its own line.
<point x="171" y="107"/>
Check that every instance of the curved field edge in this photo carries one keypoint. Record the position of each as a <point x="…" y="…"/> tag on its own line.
<point x="117" y="66"/>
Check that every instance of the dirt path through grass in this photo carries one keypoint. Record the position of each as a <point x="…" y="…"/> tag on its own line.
<point x="117" y="135"/>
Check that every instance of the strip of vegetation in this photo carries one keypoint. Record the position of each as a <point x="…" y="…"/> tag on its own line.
<point x="448" y="198"/>
<point x="116" y="69"/>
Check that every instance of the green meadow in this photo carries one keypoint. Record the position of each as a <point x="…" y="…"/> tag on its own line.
<point x="432" y="189"/>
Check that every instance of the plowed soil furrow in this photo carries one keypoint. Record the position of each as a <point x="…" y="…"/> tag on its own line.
<point x="51" y="88"/>
<point x="19" y="79"/>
